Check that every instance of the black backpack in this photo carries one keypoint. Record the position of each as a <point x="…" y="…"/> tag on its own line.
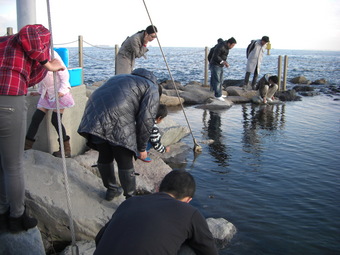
<point x="250" y="47"/>
<point x="211" y="52"/>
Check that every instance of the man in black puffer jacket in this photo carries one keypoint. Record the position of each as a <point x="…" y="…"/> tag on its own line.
<point x="216" y="64"/>
<point x="118" y="121"/>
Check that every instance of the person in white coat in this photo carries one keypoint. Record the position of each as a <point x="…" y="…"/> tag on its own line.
<point x="255" y="55"/>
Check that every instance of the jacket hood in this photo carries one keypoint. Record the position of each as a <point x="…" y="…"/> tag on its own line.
<point x="146" y="74"/>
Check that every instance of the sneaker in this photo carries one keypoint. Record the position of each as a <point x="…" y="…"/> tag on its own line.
<point x="269" y="100"/>
<point x="147" y="159"/>
<point x="219" y="98"/>
<point x="224" y="96"/>
<point x="24" y="222"/>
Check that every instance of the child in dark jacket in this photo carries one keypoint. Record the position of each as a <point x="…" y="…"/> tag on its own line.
<point x="155" y="137"/>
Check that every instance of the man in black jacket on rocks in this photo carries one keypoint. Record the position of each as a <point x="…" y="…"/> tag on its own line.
<point x="159" y="223"/>
<point x="216" y="64"/>
<point x="118" y="121"/>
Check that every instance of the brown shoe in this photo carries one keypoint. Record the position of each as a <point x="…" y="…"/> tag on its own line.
<point x="67" y="149"/>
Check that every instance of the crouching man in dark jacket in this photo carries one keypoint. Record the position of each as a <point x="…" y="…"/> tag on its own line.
<point x="118" y="121"/>
<point x="163" y="223"/>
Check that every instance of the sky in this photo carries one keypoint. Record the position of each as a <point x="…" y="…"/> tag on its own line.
<point x="290" y="24"/>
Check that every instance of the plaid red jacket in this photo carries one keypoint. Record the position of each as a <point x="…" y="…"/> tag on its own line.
<point x="20" y="57"/>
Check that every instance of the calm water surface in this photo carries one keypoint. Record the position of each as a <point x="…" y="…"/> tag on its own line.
<point x="273" y="172"/>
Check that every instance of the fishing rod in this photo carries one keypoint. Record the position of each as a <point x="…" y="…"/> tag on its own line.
<point x="197" y="147"/>
<point x="74" y="247"/>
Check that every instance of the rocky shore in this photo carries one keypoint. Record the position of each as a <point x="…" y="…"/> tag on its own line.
<point x="47" y="189"/>
<point x="195" y="93"/>
<point x="46" y="197"/>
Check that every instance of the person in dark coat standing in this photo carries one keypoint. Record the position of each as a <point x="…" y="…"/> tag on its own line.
<point x="162" y="223"/>
<point x="218" y="61"/>
<point x="118" y="121"/>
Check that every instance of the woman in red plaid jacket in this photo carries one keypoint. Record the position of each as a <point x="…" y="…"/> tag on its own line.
<point x="24" y="61"/>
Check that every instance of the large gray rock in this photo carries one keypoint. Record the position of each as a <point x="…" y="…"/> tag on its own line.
<point x="214" y="104"/>
<point x="170" y="92"/>
<point x="83" y="248"/>
<point x="238" y="91"/>
<point x="177" y="157"/>
<point x="289" y="95"/>
<point x="195" y="94"/>
<point x="169" y="84"/>
<point x="321" y="81"/>
<point x="221" y="229"/>
<point x="171" y="131"/>
<point x="47" y="190"/>
<point x="171" y="100"/>
<point x="300" y="80"/>
<point x="46" y="194"/>
<point x="228" y="83"/>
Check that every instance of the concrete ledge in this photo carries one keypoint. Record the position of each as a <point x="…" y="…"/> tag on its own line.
<point x="46" y="138"/>
<point x="23" y="243"/>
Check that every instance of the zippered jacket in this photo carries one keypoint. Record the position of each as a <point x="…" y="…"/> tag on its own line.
<point x="122" y="111"/>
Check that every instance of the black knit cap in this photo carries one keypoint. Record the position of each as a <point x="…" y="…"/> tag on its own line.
<point x="265" y="38"/>
<point x="151" y="29"/>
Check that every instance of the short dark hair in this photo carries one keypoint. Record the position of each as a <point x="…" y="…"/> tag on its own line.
<point x="274" y="79"/>
<point x="162" y="111"/>
<point x="151" y="29"/>
<point x="231" y="40"/>
<point x="265" y="38"/>
<point x="178" y="183"/>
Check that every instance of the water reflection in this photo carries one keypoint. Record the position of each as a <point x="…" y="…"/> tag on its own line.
<point x="213" y="130"/>
<point x="256" y="118"/>
<point x="258" y="121"/>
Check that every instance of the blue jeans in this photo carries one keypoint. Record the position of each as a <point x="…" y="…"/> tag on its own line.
<point x="216" y="79"/>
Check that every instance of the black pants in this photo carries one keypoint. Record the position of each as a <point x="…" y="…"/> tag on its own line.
<point x="246" y="79"/>
<point x="108" y="153"/>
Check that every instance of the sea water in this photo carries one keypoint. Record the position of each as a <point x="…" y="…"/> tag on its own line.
<point x="274" y="170"/>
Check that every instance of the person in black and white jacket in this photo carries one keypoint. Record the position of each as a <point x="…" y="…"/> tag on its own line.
<point x="155" y="137"/>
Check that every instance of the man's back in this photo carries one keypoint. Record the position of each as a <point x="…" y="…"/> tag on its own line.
<point x="155" y="224"/>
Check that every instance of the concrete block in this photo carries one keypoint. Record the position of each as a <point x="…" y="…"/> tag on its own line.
<point x="46" y="138"/>
<point x="23" y="243"/>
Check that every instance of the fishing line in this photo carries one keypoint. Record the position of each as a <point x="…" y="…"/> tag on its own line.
<point x="75" y="250"/>
<point x="197" y="147"/>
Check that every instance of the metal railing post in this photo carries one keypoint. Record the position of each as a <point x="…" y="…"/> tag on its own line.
<point x="9" y="30"/>
<point x="206" y="66"/>
<point x="80" y="55"/>
<point x="279" y="72"/>
<point x="285" y="70"/>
